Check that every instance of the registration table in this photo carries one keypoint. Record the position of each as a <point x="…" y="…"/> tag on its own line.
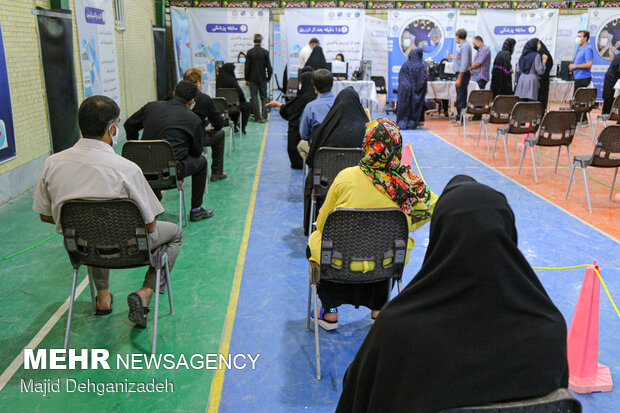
<point x="365" y="88"/>
<point x="446" y="89"/>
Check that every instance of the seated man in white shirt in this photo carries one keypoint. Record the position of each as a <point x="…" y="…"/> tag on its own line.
<point x="92" y="170"/>
<point x="306" y="51"/>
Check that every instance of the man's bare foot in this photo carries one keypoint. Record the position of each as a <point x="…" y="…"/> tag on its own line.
<point x="104" y="299"/>
<point x="145" y="294"/>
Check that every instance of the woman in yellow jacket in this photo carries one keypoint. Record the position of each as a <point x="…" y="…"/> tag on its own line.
<point x="379" y="181"/>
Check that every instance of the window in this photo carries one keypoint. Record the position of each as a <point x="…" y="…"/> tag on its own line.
<point x="119" y="12"/>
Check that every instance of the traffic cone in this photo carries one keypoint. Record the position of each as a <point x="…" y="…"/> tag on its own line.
<point x="586" y="374"/>
<point x="407" y="160"/>
<point x="368" y="114"/>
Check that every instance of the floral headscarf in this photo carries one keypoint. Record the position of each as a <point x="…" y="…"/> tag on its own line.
<point x="381" y="163"/>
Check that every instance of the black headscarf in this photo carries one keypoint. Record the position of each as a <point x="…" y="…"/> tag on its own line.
<point x="341" y="56"/>
<point x="474" y="326"/>
<point x="344" y="125"/>
<point x="503" y="58"/>
<point x="292" y="110"/>
<point x="226" y="79"/>
<point x="529" y="54"/>
<point x="307" y="69"/>
<point x="317" y="59"/>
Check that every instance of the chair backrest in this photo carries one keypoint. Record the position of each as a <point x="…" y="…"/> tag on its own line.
<point x="292" y="85"/>
<point x="377" y="235"/>
<point x="156" y="159"/>
<point x="230" y="94"/>
<point x="615" y="109"/>
<point x="379" y="84"/>
<point x="106" y="234"/>
<point x="607" y="145"/>
<point x="558" y="401"/>
<point x="328" y="162"/>
<point x="584" y="99"/>
<point x="479" y="102"/>
<point x="502" y="107"/>
<point x="525" y="117"/>
<point x="220" y="105"/>
<point x="557" y="128"/>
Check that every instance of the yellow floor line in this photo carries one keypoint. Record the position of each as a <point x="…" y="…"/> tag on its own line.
<point x="215" y="395"/>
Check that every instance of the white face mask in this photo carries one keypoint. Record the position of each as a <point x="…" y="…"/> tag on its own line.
<point x="434" y="43"/>
<point x="115" y="136"/>
<point x="604" y="41"/>
<point x="191" y="106"/>
<point x="578" y="40"/>
<point x="406" y="42"/>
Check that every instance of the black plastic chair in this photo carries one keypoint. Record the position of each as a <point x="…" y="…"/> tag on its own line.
<point x="499" y="115"/>
<point x="613" y="115"/>
<point x="378" y="235"/>
<point x="158" y="164"/>
<point x="524" y="118"/>
<point x="292" y="88"/>
<point x="478" y="103"/>
<point x="221" y="105"/>
<point x="558" y="401"/>
<point x="328" y="162"/>
<point x="608" y="143"/>
<point x="584" y="100"/>
<point x="557" y="129"/>
<point x="381" y="89"/>
<point x="280" y="89"/>
<point x="110" y="234"/>
<point x="234" y="108"/>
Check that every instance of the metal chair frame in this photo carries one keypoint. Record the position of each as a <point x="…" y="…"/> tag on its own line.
<point x="614" y="115"/>
<point x="521" y="122"/>
<point x="221" y="105"/>
<point x="234" y="107"/>
<point x="88" y="245"/>
<point x="499" y="114"/>
<point x="292" y="87"/>
<point x="165" y="174"/>
<point x="584" y="100"/>
<point x="394" y="239"/>
<point x="608" y="143"/>
<point x="479" y="102"/>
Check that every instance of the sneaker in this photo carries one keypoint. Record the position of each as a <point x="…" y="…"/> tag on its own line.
<point x="218" y="177"/>
<point x="324" y="324"/>
<point x="201" y="214"/>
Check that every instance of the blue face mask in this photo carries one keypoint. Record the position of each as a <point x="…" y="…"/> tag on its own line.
<point x="242" y="60"/>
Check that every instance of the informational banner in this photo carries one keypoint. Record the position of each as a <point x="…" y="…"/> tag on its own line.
<point x="469" y="22"/>
<point x="431" y="30"/>
<point x="224" y="34"/>
<point x="495" y="26"/>
<point x="375" y="45"/>
<point x="180" y="41"/>
<point x="338" y="31"/>
<point x="568" y="26"/>
<point x="7" y="133"/>
<point x="95" y="25"/>
<point x="604" y="26"/>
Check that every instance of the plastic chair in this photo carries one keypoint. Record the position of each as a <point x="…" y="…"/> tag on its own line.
<point x="381" y="90"/>
<point x="110" y="234"/>
<point x="524" y="118"/>
<point x="499" y="115"/>
<point x="278" y="87"/>
<point x="608" y="143"/>
<point x="221" y="105"/>
<point x="158" y="164"/>
<point x="353" y="234"/>
<point x="558" y="401"/>
<point x="614" y="115"/>
<point x="584" y="100"/>
<point x="234" y="107"/>
<point x="478" y="103"/>
<point x="554" y="123"/>
<point x="291" y="89"/>
<point x="328" y="162"/>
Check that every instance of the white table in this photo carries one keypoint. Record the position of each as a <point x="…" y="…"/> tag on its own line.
<point x="561" y="90"/>
<point x="446" y="89"/>
<point x="365" y="88"/>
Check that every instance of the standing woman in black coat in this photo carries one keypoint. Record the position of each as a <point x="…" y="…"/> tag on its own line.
<point x="543" y="88"/>
<point x="501" y="74"/>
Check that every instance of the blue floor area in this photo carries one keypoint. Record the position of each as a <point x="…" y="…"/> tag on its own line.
<point x="270" y="317"/>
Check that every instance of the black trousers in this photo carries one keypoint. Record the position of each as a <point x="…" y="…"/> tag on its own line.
<point x="461" y="94"/>
<point x="246" y="110"/>
<point x="197" y="169"/>
<point x="581" y="117"/>
<point x="259" y="105"/>
<point x="216" y="140"/>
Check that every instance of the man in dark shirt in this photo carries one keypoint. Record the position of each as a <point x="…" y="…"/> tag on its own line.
<point x="257" y="73"/>
<point x="206" y="111"/>
<point x="174" y="122"/>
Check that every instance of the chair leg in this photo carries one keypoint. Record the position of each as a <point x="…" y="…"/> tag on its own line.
<point x="309" y="300"/>
<point x="400" y="286"/>
<point x="568" y="152"/>
<point x="311" y="215"/>
<point x="516" y="143"/>
<point x="168" y="285"/>
<point x="487" y="131"/>
<point x="464" y="118"/>
<point x="181" y="213"/>
<point x="184" y="207"/>
<point x="521" y="161"/>
<point x="316" y="334"/>
<point x="70" y="313"/>
<point x="91" y="284"/>
<point x="479" y="130"/>
<point x="557" y="159"/>
<point x="495" y="145"/>
<point x="570" y="179"/>
<point x="533" y="163"/>
<point x="231" y="128"/>
<point x="613" y="182"/>
<point x="539" y="157"/>
<point x="156" y="312"/>
<point x="506" y="149"/>
<point x="595" y="129"/>
<point x="585" y="182"/>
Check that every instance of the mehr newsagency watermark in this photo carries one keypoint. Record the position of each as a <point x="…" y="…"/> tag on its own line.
<point x="99" y="359"/>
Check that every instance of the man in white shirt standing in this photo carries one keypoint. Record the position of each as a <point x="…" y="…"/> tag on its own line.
<point x="306" y="51"/>
<point x="92" y="170"/>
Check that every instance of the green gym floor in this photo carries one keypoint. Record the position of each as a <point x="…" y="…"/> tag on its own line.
<point x="35" y="286"/>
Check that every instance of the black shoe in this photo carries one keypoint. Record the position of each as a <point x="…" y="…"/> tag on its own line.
<point x="137" y="313"/>
<point x="201" y="214"/>
<point x="218" y="177"/>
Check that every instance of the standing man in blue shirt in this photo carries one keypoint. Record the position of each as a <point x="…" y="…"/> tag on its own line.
<point x="481" y="67"/>
<point x="315" y="111"/>
<point x="582" y="65"/>
<point x="462" y="68"/>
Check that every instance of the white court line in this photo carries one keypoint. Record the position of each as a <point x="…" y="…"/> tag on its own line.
<point x="527" y="189"/>
<point x="36" y="340"/>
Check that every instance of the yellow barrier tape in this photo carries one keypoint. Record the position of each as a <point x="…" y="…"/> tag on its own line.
<point x="416" y="163"/>
<point x="597" y="273"/>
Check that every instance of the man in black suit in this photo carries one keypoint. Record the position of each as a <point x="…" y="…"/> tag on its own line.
<point x="258" y="73"/>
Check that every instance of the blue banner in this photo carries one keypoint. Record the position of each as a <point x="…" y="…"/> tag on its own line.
<point x="7" y="134"/>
